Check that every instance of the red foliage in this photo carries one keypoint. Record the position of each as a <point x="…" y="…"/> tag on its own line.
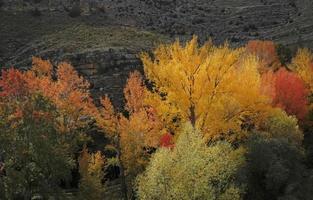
<point x="167" y="141"/>
<point x="12" y="83"/>
<point x="290" y="93"/>
<point x="266" y="52"/>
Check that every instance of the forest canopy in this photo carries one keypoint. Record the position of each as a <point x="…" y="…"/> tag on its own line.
<point x="201" y="122"/>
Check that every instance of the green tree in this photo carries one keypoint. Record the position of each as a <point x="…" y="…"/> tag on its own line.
<point x="282" y="126"/>
<point x="275" y="161"/>
<point x="192" y="170"/>
<point x="275" y="170"/>
<point x="36" y="156"/>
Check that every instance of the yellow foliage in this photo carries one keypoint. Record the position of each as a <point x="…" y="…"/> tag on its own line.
<point x="91" y="170"/>
<point x="214" y="87"/>
<point x="302" y="64"/>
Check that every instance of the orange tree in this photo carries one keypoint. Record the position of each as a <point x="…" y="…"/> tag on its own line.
<point x="42" y="120"/>
<point x="136" y="133"/>
<point x="266" y="53"/>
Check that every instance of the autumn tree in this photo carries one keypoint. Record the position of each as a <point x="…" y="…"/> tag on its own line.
<point x="192" y="170"/>
<point x="266" y="52"/>
<point x="67" y="90"/>
<point x="136" y="133"/>
<point x="290" y="93"/>
<point x="216" y="88"/>
<point x="44" y="116"/>
<point x="302" y="64"/>
<point x="36" y="156"/>
<point x="91" y="170"/>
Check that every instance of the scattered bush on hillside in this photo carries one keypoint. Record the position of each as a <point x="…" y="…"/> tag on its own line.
<point x="75" y="11"/>
<point x="35" y="12"/>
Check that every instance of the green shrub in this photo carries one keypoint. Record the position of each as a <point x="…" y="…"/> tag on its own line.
<point x="275" y="170"/>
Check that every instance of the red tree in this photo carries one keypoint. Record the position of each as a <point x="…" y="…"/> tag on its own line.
<point x="12" y="83"/>
<point x="290" y="93"/>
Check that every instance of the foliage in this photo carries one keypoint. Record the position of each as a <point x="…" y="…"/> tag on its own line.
<point x="192" y="170"/>
<point x="215" y="87"/>
<point x="91" y="169"/>
<point x="67" y="90"/>
<point x="280" y="125"/>
<point x="302" y="64"/>
<point x="290" y="93"/>
<point x="167" y="140"/>
<point x="266" y="52"/>
<point x="43" y="118"/>
<point x="284" y="53"/>
<point x="36" y="156"/>
<point x="138" y="132"/>
<point x="276" y="170"/>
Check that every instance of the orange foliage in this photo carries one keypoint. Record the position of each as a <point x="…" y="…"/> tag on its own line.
<point x="268" y="80"/>
<point x="134" y="92"/>
<point x="266" y="52"/>
<point x="138" y="131"/>
<point x="69" y="91"/>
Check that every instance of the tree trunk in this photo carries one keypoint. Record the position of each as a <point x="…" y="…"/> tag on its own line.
<point x="192" y="116"/>
<point x="122" y="173"/>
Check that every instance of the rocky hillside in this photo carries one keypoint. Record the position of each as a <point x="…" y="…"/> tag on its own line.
<point x="102" y="38"/>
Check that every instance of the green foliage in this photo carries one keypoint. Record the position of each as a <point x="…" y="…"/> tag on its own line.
<point x="280" y="125"/>
<point x="285" y="54"/>
<point x="192" y="170"/>
<point x="275" y="170"/>
<point x="91" y="169"/>
<point x="36" y="157"/>
<point x="275" y="160"/>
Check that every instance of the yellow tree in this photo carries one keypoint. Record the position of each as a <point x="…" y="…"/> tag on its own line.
<point x="217" y="88"/>
<point x="91" y="169"/>
<point x="302" y="64"/>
